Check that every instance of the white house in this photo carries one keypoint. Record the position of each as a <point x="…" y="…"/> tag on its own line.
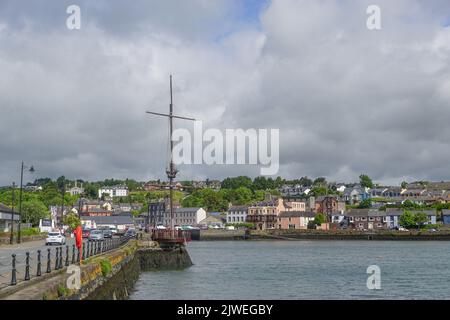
<point x="187" y="216"/>
<point x="237" y="214"/>
<point x="114" y="191"/>
<point x="76" y="190"/>
<point x="5" y="218"/>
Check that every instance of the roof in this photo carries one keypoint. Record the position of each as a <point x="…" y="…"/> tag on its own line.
<point x="238" y="208"/>
<point x="365" y="213"/>
<point x="446" y="212"/>
<point x="400" y="212"/>
<point x="109" y="219"/>
<point x="186" y="209"/>
<point x="5" y="209"/>
<point x="395" y="212"/>
<point x="292" y="214"/>
<point x="99" y="210"/>
<point x="321" y="198"/>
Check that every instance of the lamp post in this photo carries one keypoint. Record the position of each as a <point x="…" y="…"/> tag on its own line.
<point x="31" y="170"/>
<point x="63" y="192"/>
<point x="11" y="237"/>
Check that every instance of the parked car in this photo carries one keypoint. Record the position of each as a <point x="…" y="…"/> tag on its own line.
<point x="160" y="227"/>
<point x="402" y="229"/>
<point x="113" y="230"/>
<point x="55" y="237"/>
<point x="86" y="233"/>
<point x="130" y="233"/>
<point x="107" y="233"/>
<point x="96" y="235"/>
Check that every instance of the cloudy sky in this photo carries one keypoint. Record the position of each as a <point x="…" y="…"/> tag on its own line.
<point x="347" y="100"/>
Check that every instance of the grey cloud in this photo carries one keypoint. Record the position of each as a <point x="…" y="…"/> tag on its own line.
<point x="346" y="100"/>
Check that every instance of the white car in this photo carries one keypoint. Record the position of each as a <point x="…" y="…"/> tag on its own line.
<point x="55" y="237"/>
<point x="160" y="227"/>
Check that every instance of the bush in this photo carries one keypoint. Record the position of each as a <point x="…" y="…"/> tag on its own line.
<point x="106" y="267"/>
<point x="29" y="232"/>
<point x="62" y="290"/>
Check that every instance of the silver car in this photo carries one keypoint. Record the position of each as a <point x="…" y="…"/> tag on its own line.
<point x="96" y="235"/>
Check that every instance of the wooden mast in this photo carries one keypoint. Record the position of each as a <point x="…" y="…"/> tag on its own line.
<point x="171" y="171"/>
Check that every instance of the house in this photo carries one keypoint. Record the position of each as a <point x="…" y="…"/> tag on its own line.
<point x="377" y="192"/>
<point x="127" y="207"/>
<point x="212" y="222"/>
<point x="366" y="219"/>
<point x="76" y="190"/>
<point x="295" y="219"/>
<point x="393" y="218"/>
<point x="392" y="192"/>
<point x="152" y="187"/>
<point x="97" y="212"/>
<point x="295" y="206"/>
<point x="431" y="214"/>
<point x="338" y="217"/>
<point x="355" y="195"/>
<point x="264" y="213"/>
<point x="6" y="214"/>
<point x="237" y="214"/>
<point x="328" y="205"/>
<point x="446" y="217"/>
<point x="187" y="216"/>
<point x="294" y="191"/>
<point x="413" y="193"/>
<point x="156" y="213"/>
<point x="114" y="191"/>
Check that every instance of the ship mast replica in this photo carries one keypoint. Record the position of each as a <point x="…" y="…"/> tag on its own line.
<point x="171" y="171"/>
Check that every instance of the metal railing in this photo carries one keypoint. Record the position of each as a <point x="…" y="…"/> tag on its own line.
<point x="36" y="263"/>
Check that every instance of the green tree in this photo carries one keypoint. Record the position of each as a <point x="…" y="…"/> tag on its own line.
<point x="33" y="211"/>
<point x="321" y="181"/>
<point x="407" y="220"/>
<point x="365" y="181"/>
<point x="319" y="219"/>
<point x="365" y="204"/>
<point x="305" y="182"/>
<point x="420" y="218"/>
<point x="237" y="182"/>
<point x="404" y="184"/>
<point x="135" y="213"/>
<point x="72" y="220"/>
<point x="319" y="191"/>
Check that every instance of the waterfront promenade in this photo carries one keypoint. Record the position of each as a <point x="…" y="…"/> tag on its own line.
<point x="20" y="250"/>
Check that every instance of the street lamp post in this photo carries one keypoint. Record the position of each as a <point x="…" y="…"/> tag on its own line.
<point x="31" y="170"/>
<point x="63" y="192"/>
<point x="11" y="237"/>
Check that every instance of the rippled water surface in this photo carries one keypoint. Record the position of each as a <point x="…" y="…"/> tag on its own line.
<point x="304" y="270"/>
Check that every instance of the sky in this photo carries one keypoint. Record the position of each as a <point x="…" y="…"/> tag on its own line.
<point x="347" y="100"/>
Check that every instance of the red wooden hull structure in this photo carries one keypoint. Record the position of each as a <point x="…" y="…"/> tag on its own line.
<point x="171" y="236"/>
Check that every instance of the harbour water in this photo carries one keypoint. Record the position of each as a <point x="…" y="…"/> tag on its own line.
<point x="233" y="270"/>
